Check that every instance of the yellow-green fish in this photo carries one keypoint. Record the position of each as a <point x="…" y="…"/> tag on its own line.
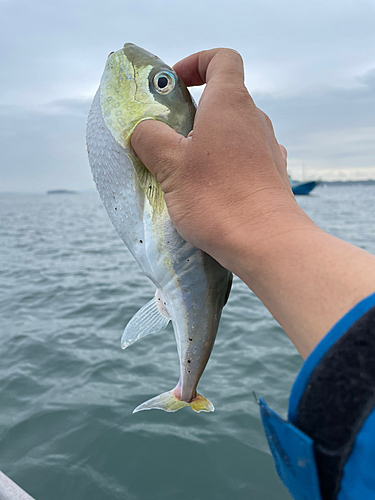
<point x="191" y="287"/>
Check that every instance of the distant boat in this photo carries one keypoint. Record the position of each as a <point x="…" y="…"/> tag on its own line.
<point x="303" y="187"/>
<point x="61" y="191"/>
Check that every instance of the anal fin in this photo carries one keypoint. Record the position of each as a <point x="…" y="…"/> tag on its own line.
<point x="151" y="318"/>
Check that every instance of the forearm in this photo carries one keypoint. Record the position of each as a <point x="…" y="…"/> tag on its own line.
<point x="305" y="277"/>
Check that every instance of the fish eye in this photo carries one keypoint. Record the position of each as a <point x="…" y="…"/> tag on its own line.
<point x="164" y="82"/>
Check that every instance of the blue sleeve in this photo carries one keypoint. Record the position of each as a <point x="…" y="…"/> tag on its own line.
<point x="326" y="449"/>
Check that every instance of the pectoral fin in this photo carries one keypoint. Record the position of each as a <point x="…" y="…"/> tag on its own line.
<point x="151" y="318"/>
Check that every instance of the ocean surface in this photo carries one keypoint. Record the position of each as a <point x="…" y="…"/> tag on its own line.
<point x="68" y="286"/>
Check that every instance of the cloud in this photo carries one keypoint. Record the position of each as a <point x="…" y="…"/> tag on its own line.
<point x="310" y="66"/>
<point x="58" y="50"/>
<point x="331" y="132"/>
<point x="45" y="148"/>
<point x="332" y="129"/>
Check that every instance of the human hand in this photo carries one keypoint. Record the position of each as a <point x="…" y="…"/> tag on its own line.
<point x="228" y="193"/>
<point x="229" y="176"/>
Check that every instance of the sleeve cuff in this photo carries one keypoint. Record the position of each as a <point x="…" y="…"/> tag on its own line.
<point x="331" y="399"/>
<point x="320" y="350"/>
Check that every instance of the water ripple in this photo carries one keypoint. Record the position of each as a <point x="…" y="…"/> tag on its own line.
<point x="68" y="286"/>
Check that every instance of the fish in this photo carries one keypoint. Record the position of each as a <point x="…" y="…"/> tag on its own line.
<point x="191" y="287"/>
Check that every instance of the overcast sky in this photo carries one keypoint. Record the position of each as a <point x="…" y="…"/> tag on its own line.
<point x="309" y="65"/>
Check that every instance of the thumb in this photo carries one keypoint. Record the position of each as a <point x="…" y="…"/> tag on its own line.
<point x="158" y="146"/>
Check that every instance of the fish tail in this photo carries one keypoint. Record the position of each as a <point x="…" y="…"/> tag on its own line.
<point x="168" y="401"/>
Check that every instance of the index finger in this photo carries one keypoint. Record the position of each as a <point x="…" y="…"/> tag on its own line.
<point x="201" y="67"/>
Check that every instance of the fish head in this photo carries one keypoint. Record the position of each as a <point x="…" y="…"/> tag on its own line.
<point x="136" y="85"/>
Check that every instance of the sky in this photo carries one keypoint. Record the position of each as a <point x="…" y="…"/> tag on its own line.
<point x="309" y="65"/>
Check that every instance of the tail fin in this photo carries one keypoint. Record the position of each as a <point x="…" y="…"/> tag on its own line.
<point x="169" y="402"/>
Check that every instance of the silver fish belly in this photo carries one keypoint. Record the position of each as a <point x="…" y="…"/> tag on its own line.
<point x="191" y="287"/>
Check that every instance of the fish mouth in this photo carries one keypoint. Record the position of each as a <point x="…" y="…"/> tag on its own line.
<point x="138" y="55"/>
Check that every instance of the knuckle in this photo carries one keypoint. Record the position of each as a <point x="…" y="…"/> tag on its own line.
<point x="237" y="97"/>
<point x="284" y="152"/>
<point x="231" y="53"/>
<point x="243" y="93"/>
<point x="265" y="119"/>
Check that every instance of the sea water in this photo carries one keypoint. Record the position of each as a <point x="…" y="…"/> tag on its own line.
<point x="68" y="286"/>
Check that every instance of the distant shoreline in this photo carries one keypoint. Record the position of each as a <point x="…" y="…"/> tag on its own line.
<point x="61" y="191"/>
<point x="347" y="183"/>
<point x="321" y="183"/>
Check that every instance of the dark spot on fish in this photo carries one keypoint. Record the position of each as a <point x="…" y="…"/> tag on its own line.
<point x="150" y="187"/>
<point x="191" y="340"/>
<point x="165" y="303"/>
<point x="189" y="360"/>
<point x="188" y="260"/>
<point x="140" y="241"/>
<point x="115" y="208"/>
<point x="188" y="371"/>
